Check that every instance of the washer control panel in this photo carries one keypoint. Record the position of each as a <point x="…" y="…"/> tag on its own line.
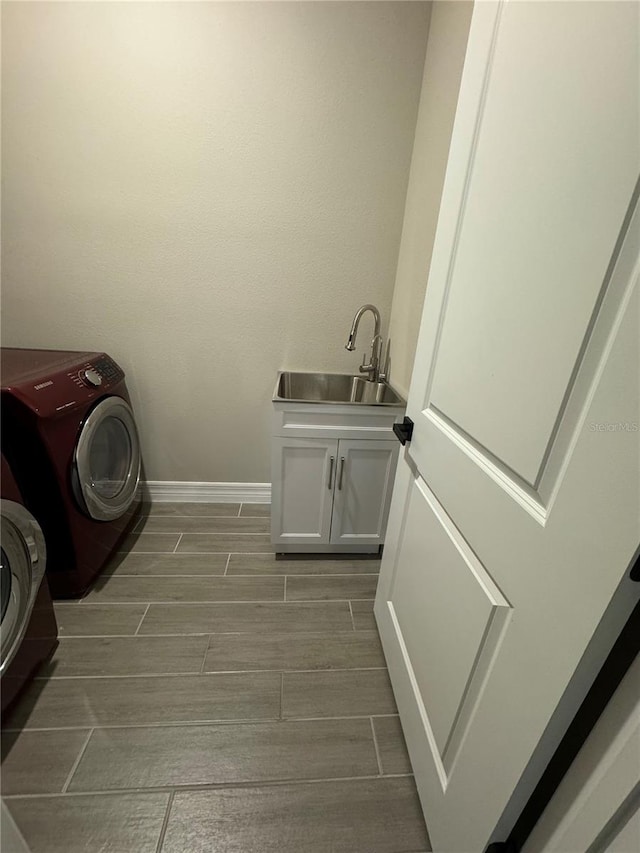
<point x="51" y="382"/>
<point x="108" y="369"/>
<point x="94" y="374"/>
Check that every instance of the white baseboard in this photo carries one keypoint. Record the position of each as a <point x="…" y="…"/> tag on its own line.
<point x="181" y="492"/>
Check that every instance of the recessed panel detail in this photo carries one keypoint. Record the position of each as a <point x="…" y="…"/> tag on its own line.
<point x="441" y="586"/>
<point x="537" y="226"/>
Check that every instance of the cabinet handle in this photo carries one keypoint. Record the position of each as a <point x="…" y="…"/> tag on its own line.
<point x="341" y="472"/>
<point x="331" y="461"/>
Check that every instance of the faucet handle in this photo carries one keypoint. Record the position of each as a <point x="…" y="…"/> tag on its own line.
<point x="386" y="364"/>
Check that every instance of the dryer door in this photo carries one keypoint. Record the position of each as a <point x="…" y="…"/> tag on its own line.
<point x="21" y="571"/>
<point x="107" y="460"/>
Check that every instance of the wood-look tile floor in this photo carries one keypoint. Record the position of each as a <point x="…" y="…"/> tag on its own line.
<point x="207" y="697"/>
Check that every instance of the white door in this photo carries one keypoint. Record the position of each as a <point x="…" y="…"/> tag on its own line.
<point x="516" y="507"/>
<point x="304" y="473"/>
<point x="362" y="491"/>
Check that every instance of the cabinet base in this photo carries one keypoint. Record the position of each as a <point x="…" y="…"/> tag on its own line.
<point x="326" y="549"/>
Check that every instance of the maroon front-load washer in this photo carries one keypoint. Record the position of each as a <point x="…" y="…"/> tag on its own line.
<point x="28" y="628"/>
<point x="70" y="437"/>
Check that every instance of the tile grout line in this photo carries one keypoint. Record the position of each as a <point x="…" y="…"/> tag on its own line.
<point x="203" y="671"/>
<point x="214" y="786"/>
<point x="186" y="672"/>
<point x="239" y="511"/>
<point x="353" y="621"/>
<point x="285" y="588"/>
<point x="204" y="656"/>
<point x="290" y="634"/>
<point x="60" y="604"/>
<point x="229" y="516"/>
<point x="242" y="553"/>
<point x="146" y="610"/>
<point x="226" y="568"/>
<point x="329" y="559"/>
<point x="77" y="762"/>
<point x="268" y="553"/>
<point x="178" y="542"/>
<point x="220" y="531"/>
<point x="165" y="822"/>
<point x="158" y="533"/>
<point x="170" y="517"/>
<point x="257" y="575"/>
<point x="237" y="600"/>
<point x="375" y="745"/>
<point x="167" y="724"/>
<point x="281" y="695"/>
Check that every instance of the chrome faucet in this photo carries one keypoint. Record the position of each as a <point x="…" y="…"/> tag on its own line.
<point x="373" y="368"/>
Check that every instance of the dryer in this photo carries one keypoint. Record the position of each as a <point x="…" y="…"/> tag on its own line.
<point x="28" y="630"/>
<point x="70" y="436"/>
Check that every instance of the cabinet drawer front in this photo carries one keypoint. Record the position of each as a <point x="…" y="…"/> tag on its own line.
<point x="363" y="488"/>
<point x="303" y="472"/>
<point x="333" y="421"/>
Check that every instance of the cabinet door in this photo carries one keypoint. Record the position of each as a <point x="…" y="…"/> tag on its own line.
<point x="364" y="479"/>
<point x="303" y="474"/>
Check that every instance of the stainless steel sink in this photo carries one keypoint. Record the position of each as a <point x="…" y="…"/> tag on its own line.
<point x="334" y="388"/>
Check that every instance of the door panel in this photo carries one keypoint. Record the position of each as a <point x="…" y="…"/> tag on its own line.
<point x="303" y="484"/>
<point x="362" y="491"/>
<point x="447" y="592"/>
<point x="532" y="278"/>
<point x="516" y="505"/>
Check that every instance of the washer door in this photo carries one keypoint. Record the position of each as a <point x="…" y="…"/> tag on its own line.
<point x="22" y="565"/>
<point x="107" y="460"/>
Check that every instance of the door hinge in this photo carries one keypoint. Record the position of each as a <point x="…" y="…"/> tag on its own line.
<point x="404" y="431"/>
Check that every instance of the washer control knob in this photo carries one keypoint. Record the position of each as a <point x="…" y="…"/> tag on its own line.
<point x="92" y="377"/>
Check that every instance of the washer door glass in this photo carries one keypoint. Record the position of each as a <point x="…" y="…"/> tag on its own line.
<point x="110" y="457"/>
<point x="16" y="581"/>
<point x="5" y="582"/>
<point x="21" y="571"/>
<point x="107" y="460"/>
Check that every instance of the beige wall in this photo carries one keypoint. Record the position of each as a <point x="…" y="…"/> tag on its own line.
<point x="448" y="33"/>
<point x="208" y="191"/>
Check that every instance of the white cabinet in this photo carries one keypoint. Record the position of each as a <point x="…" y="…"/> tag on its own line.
<point x="332" y="476"/>
<point x="362" y="491"/>
<point x="303" y="477"/>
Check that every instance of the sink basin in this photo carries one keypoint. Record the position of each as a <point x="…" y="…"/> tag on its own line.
<point x="334" y="388"/>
